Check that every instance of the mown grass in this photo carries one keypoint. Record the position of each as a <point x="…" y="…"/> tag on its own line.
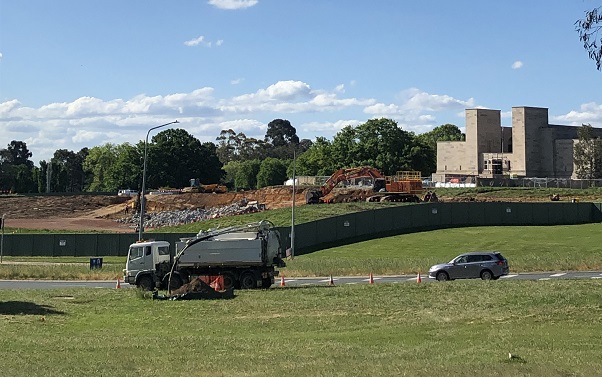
<point x="453" y="329"/>
<point x="528" y="248"/>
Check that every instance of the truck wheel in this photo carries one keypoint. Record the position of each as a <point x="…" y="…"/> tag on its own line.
<point x="266" y="283"/>
<point x="248" y="280"/>
<point x="145" y="283"/>
<point x="229" y="280"/>
<point x="176" y="282"/>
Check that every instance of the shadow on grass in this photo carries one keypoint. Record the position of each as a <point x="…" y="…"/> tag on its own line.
<point x="24" y="307"/>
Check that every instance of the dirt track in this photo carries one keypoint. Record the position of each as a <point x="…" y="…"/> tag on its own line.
<point x="93" y="212"/>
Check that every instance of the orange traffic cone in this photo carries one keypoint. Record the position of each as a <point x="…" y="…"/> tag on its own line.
<point x="118" y="284"/>
<point x="371" y="279"/>
<point x="418" y="278"/>
<point x="219" y="283"/>
<point x="331" y="281"/>
<point x="282" y="283"/>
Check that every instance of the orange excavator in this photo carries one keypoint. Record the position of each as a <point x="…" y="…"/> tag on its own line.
<point x="405" y="186"/>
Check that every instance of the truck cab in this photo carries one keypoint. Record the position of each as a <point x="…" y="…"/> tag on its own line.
<point x="144" y="259"/>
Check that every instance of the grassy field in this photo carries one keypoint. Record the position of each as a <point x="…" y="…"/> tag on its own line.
<point x="463" y="328"/>
<point x="541" y="248"/>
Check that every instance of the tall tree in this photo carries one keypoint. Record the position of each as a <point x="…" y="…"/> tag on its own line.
<point x="175" y="156"/>
<point x="100" y="165"/>
<point x="68" y="172"/>
<point x="444" y="132"/>
<point x="272" y="172"/>
<point x="587" y="154"/>
<point x="589" y="33"/>
<point x="16" y="168"/>
<point x="316" y="160"/>
<point x="246" y="176"/>
<point x="282" y="137"/>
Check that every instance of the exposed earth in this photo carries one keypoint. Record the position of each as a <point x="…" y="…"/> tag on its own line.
<point x="99" y="212"/>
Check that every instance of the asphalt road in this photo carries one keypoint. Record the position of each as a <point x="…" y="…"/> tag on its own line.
<point x="295" y="282"/>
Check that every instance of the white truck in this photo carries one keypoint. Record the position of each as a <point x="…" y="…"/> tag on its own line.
<point x="245" y="256"/>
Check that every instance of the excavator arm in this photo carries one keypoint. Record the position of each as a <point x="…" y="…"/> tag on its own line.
<point x="338" y="176"/>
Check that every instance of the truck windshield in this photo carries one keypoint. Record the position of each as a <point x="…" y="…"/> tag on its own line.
<point x="135" y="252"/>
<point x="163" y="250"/>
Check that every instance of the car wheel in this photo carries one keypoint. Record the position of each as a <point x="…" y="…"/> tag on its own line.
<point x="486" y="275"/>
<point x="442" y="276"/>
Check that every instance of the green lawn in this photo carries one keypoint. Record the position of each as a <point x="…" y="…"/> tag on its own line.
<point x="462" y="328"/>
<point x="535" y="248"/>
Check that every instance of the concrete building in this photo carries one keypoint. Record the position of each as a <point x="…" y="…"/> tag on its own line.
<point x="530" y="148"/>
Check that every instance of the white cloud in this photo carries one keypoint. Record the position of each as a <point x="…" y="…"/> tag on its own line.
<point x="1" y="56"/>
<point x="340" y="88"/>
<point x="517" y="64"/>
<point x="327" y="128"/>
<point x="232" y="4"/>
<point x="588" y="113"/>
<point x="202" y="41"/>
<point x="236" y="81"/>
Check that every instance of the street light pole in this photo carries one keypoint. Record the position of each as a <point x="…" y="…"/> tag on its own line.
<point x="142" y="199"/>
<point x="2" y="241"/>
<point x="293" y="208"/>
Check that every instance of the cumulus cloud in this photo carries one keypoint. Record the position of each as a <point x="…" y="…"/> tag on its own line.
<point x="236" y="81"/>
<point x="327" y="128"/>
<point x="588" y="113"/>
<point x="202" y="41"/>
<point x="1" y="56"/>
<point x="232" y="4"/>
<point x="517" y="64"/>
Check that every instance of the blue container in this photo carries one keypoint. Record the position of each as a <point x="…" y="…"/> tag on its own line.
<point x="95" y="263"/>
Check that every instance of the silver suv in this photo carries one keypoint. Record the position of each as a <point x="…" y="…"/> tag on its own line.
<point x="487" y="265"/>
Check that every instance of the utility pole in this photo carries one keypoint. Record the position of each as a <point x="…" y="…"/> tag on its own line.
<point x="293" y="208"/>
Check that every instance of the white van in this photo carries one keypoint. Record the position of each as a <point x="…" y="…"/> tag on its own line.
<point x="127" y="192"/>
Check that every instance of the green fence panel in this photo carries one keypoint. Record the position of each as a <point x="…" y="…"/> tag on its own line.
<point x="86" y="245"/>
<point x="346" y="226"/>
<point x="64" y="245"/>
<point x="462" y="214"/>
<point x="475" y="213"/>
<point x="541" y="212"/>
<point x="396" y="219"/>
<point x="19" y="245"/>
<point x="389" y="218"/>
<point x="305" y="236"/>
<point x="326" y="231"/>
<point x="569" y="214"/>
<point x="107" y="245"/>
<point x="597" y="216"/>
<point x="444" y="212"/>
<point x="42" y="244"/>
<point x="367" y="223"/>
<point x="586" y="212"/>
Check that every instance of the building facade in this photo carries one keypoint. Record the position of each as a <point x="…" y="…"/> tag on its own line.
<point x="530" y="148"/>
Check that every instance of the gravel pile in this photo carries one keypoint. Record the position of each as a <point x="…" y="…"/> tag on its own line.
<point x="187" y="216"/>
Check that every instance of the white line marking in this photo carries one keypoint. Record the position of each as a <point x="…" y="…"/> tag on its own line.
<point x="372" y="279"/>
<point x="508" y="276"/>
<point x="558" y="275"/>
<point x="596" y="277"/>
<point x="328" y="280"/>
<point x="544" y="279"/>
<point x="351" y="283"/>
<point x="410" y="279"/>
<point x="306" y="284"/>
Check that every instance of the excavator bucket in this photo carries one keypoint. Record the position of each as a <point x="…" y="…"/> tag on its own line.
<point x="312" y="196"/>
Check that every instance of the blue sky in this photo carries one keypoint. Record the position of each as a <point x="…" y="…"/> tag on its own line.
<point x="77" y="73"/>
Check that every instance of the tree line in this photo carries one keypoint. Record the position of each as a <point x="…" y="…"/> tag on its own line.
<point x="174" y="157"/>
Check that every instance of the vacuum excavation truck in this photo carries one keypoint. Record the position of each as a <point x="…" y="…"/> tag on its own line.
<point x="246" y="257"/>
